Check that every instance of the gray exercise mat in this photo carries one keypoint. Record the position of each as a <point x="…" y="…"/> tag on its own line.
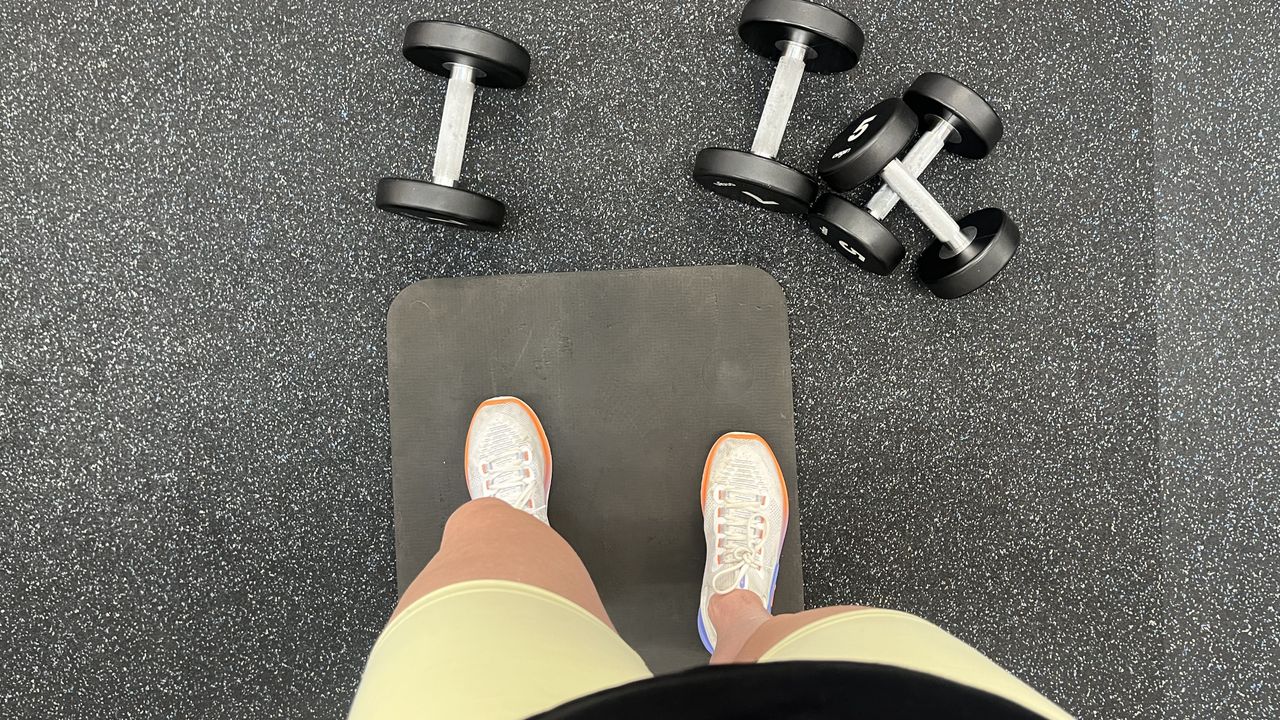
<point x="634" y="374"/>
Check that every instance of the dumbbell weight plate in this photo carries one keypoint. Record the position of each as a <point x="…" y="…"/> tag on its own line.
<point x="441" y="204"/>
<point x="855" y="234"/>
<point x="996" y="239"/>
<point x="835" y="42"/>
<point x="938" y="95"/>
<point x="759" y="181"/>
<point x="435" y="45"/>
<point x="868" y="144"/>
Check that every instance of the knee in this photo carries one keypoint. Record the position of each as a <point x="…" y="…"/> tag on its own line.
<point x="484" y="511"/>
<point x="776" y="629"/>
<point x="728" y="607"/>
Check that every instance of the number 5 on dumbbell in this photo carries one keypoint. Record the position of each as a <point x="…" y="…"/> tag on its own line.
<point x="467" y="56"/>
<point x="802" y="37"/>
<point x="970" y="252"/>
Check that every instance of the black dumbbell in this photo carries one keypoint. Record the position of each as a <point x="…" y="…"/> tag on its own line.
<point x="802" y="37"/>
<point x="970" y="252"/>
<point x="467" y="56"/>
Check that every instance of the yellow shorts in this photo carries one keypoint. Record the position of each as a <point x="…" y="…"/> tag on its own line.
<point x="443" y="656"/>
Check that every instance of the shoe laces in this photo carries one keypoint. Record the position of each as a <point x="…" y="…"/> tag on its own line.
<point x="741" y="531"/>
<point x="510" y="478"/>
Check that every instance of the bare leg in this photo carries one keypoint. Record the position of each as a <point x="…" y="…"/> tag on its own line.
<point x="737" y="616"/>
<point x="490" y="540"/>
<point x="745" y="630"/>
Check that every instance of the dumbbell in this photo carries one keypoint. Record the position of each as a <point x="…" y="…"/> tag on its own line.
<point x="969" y="252"/>
<point x="801" y="36"/>
<point x="961" y="121"/>
<point x="468" y="56"/>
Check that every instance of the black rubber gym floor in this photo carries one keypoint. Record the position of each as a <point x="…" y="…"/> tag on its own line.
<point x="1072" y="470"/>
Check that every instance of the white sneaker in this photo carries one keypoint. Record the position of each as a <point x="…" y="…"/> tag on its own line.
<point x="744" y="511"/>
<point x="508" y="457"/>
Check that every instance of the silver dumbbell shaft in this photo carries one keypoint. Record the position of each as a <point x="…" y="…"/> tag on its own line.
<point x="782" y="97"/>
<point x="454" y="123"/>
<point x="933" y="215"/>
<point x="924" y="152"/>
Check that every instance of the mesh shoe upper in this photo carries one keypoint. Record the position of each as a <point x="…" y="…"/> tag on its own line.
<point x="508" y="457"/>
<point x="745" y="520"/>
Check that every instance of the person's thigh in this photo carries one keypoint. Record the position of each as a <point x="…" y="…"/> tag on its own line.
<point x="490" y="540"/>
<point x="491" y="649"/>
<point x="504" y="622"/>
<point x="888" y="637"/>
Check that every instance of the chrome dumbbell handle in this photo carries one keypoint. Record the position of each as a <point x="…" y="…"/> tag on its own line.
<point x="455" y="120"/>
<point x="782" y="98"/>
<point x="917" y="159"/>
<point x="933" y="215"/>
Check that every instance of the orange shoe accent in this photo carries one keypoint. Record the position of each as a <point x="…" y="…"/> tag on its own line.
<point x="542" y="435"/>
<point x="706" y="471"/>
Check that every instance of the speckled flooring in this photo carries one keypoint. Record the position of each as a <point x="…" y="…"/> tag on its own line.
<point x="1073" y="470"/>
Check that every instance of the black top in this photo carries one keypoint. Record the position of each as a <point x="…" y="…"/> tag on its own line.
<point x="808" y="690"/>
